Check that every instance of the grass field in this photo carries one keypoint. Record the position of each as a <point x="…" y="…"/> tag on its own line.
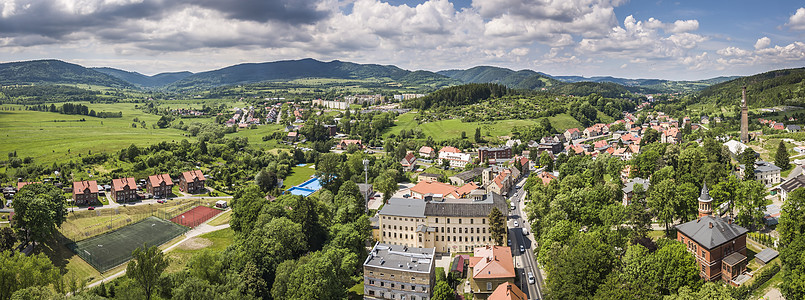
<point x="221" y="219"/>
<point x="298" y="175"/>
<point x="450" y="129"/>
<point x="35" y="134"/>
<point x="256" y="135"/>
<point x="216" y="241"/>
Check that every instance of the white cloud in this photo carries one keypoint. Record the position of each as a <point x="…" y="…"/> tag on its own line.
<point x="762" y="42"/>
<point x="520" y="51"/>
<point x="797" y="20"/>
<point x="643" y="39"/>
<point x="680" y="26"/>
<point x="794" y="52"/>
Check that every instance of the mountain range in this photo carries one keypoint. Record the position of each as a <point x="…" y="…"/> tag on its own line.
<point x="60" y="72"/>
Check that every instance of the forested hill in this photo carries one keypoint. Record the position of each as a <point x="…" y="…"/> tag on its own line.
<point x="55" y="71"/>
<point x="305" y="68"/>
<point x="605" y="89"/>
<point x="459" y="95"/>
<point x="141" y="80"/>
<point x="779" y="87"/>
<point x="524" y="79"/>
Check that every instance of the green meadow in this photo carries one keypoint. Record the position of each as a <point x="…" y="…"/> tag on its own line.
<point x="450" y="129"/>
<point x="50" y="137"/>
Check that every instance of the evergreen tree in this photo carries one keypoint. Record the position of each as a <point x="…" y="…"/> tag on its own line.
<point x="781" y="158"/>
<point x="497" y="226"/>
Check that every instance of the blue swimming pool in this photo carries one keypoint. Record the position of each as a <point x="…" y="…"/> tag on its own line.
<point x="306" y="188"/>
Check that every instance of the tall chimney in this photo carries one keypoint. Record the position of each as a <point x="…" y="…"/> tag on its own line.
<point x="744" y="117"/>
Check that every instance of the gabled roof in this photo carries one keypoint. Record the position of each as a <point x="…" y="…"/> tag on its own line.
<point x="710" y="231"/>
<point x="426" y="149"/>
<point x="408" y="159"/>
<point x="465" y="189"/>
<point x="793" y="183"/>
<point x="22" y="184"/>
<point x="119" y="184"/>
<point x="450" y="149"/>
<point x="433" y="187"/>
<point x="193" y="175"/>
<point x="546" y="177"/>
<point x="507" y="291"/>
<point x="159" y="179"/>
<point x="572" y="130"/>
<point x="79" y="187"/>
<point x="767" y="255"/>
<point x="492" y="262"/>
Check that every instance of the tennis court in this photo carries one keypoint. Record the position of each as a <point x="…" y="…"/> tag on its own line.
<point x="196" y="216"/>
<point x="112" y="249"/>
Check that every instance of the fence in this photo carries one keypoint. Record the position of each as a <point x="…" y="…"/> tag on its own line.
<point x="81" y="225"/>
<point x="195" y="216"/>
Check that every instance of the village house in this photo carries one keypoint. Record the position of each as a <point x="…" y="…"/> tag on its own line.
<point x="718" y="244"/>
<point x="765" y="172"/>
<point x="466" y="176"/>
<point x="494" y="154"/>
<point x="292" y="136"/>
<point x="628" y="189"/>
<point x="124" y="189"/>
<point x="671" y="136"/>
<point x="160" y="185"/>
<point x="192" y="182"/>
<point x="455" y="157"/>
<point x="572" y="134"/>
<point x="490" y="267"/>
<point x="408" y="162"/>
<point x="20" y="185"/>
<point x="507" y="291"/>
<point x="344" y="144"/>
<point x="85" y="192"/>
<point x="427" y="152"/>
<point x="399" y="272"/>
<point x="546" y="177"/>
<point x="427" y="177"/>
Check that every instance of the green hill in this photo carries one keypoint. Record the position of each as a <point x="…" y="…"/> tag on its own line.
<point x="55" y="72"/>
<point x="779" y="87"/>
<point x="524" y="79"/>
<point x="605" y="89"/>
<point x="158" y="80"/>
<point x="306" y="68"/>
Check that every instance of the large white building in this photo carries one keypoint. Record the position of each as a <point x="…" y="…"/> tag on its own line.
<point x="765" y="172"/>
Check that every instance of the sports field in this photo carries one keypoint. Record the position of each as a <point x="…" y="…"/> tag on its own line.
<point x="109" y="250"/>
<point x="196" y="216"/>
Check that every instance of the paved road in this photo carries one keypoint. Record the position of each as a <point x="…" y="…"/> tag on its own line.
<point x="525" y="261"/>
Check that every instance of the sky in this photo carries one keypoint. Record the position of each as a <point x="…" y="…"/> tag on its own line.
<point x="677" y="40"/>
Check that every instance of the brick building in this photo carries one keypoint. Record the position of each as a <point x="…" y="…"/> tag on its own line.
<point x="124" y="189"/>
<point x="85" y="192"/>
<point x="399" y="272"/>
<point x="192" y="182"/>
<point x="159" y="185"/>
<point x="486" y="153"/>
<point x="718" y="245"/>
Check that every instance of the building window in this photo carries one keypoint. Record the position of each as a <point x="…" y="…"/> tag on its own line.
<point x="472" y="221"/>
<point x="437" y="220"/>
<point x="483" y="221"/>
<point x="488" y="286"/>
<point x="448" y="220"/>
<point x="459" y="221"/>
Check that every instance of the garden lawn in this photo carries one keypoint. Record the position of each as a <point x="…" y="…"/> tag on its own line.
<point x="451" y="129"/>
<point x="221" y="219"/>
<point x="298" y="175"/>
<point x="215" y="241"/>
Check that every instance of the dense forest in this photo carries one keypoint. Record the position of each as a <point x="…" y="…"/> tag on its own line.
<point x="74" y="109"/>
<point x="459" y="95"/>
<point x="780" y="87"/>
<point x="37" y="94"/>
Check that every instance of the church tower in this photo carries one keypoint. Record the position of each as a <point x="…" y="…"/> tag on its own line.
<point x="744" y="118"/>
<point x="705" y="208"/>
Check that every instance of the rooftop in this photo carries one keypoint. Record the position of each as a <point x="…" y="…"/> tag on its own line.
<point x="507" y="291"/>
<point x="629" y="186"/>
<point x="492" y="262"/>
<point x="402" y="258"/>
<point x="710" y="231"/>
<point x="418" y="208"/>
<point x="767" y="255"/>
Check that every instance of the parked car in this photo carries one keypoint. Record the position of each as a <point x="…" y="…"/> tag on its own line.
<point x="161" y="201"/>
<point x="516" y="224"/>
<point x="530" y="278"/>
<point x="509" y="242"/>
<point x="91" y="208"/>
<point x="522" y="249"/>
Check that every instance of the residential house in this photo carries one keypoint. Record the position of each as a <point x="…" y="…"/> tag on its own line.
<point x="671" y="136"/>
<point x="85" y="192"/>
<point x="344" y="144"/>
<point x="124" y="189"/>
<point x="765" y="172"/>
<point x="160" y="185"/>
<point x="24" y="183"/>
<point x="546" y="177"/>
<point x="572" y="134"/>
<point x="495" y="153"/>
<point x="778" y="126"/>
<point x="427" y="152"/>
<point x="455" y="157"/>
<point x="399" y="272"/>
<point x="427" y="177"/>
<point x="449" y="225"/>
<point x="705" y="120"/>
<point x="192" y="182"/>
<point x="466" y="176"/>
<point x="553" y="148"/>
<point x="718" y="244"/>
<point x="793" y="128"/>
<point x="367" y="191"/>
<point x="628" y="189"/>
<point x="507" y="291"/>
<point x="408" y="162"/>
<point x="490" y="267"/>
<point x="293" y="136"/>
<point x="790" y="185"/>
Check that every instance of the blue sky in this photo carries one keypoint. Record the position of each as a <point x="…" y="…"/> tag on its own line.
<point x="681" y="40"/>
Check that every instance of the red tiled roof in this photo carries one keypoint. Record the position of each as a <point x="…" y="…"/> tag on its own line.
<point x="546" y="177"/>
<point x="120" y="183"/>
<point x="450" y="149"/>
<point x="157" y="180"/>
<point x="492" y="262"/>
<point x="433" y="187"/>
<point x="426" y="149"/>
<point x="79" y="187"/>
<point x="190" y="176"/>
<point x="507" y="291"/>
<point x="465" y="189"/>
<point x="408" y="160"/>
<point x="572" y="130"/>
<point x="22" y="184"/>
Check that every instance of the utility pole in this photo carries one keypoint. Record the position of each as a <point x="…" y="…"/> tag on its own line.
<point x="366" y="181"/>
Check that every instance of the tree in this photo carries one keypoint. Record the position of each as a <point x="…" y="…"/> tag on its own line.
<point x="443" y="291"/>
<point x="18" y="271"/>
<point x="748" y="158"/>
<point x="7" y="239"/>
<point x="328" y="168"/>
<point x="39" y="209"/>
<point x="793" y="260"/>
<point x="497" y="226"/>
<point x="132" y="152"/>
<point x="792" y="218"/>
<point x="710" y="291"/>
<point x="660" y="201"/>
<point x="546" y="161"/>
<point x="163" y="122"/>
<point x="781" y="158"/>
<point x="478" y="135"/>
<point x="146" y="267"/>
<point x="750" y="203"/>
<point x="576" y="269"/>
<point x="386" y="185"/>
<point x="319" y="275"/>
<point x="265" y="180"/>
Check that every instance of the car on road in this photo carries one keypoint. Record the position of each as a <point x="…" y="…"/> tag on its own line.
<point x="525" y="231"/>
<point x="91" y="208"/>
<point x="531" y="278"/>
<point x="407" y="196"/>
<point x="522" y="249"/>
<point x="516" y="224"/>
<point x="509" y="242"/>
<point x="161" y="201"/>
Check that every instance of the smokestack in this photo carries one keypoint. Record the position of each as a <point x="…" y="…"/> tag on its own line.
<point x="743" y="95"/>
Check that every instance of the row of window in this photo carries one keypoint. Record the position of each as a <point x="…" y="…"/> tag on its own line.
<point x="394" y="296"/>
<point x="442" y="230"/>
<point x="401" y="287"/>
<point x="472" y="221"/>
